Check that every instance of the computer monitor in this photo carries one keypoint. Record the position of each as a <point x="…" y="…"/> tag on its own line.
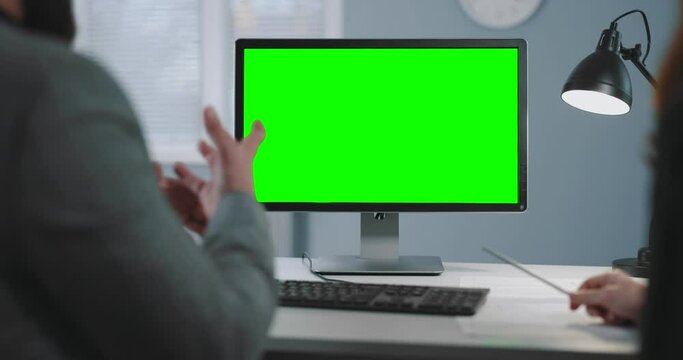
<point x="384" y="126"/>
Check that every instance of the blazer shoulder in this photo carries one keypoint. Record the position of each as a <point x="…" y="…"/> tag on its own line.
<point x="52" y="72"/>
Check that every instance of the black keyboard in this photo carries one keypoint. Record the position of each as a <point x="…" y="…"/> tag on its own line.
<point x="382" y="297"/>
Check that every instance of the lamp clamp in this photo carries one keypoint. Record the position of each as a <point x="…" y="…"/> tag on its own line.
<point x="611" y="41"/>
<point x="633" y="55"/>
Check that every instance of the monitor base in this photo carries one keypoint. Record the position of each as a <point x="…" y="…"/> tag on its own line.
<point x="355" y="265"/>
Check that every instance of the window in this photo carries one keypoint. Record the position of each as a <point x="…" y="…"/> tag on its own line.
<point x="173" y="56"/>
<point x="284" y="18"/>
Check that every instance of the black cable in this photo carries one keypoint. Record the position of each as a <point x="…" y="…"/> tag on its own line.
<point x="647" y="28"/>
<point x="305" y="256"/>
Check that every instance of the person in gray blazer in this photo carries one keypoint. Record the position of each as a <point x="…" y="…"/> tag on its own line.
<point x="94" y="263"/>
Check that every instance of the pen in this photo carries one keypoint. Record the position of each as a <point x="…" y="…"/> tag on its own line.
<point x="523" y="268"/>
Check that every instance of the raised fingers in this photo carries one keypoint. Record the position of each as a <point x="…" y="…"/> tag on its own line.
<point x="209" y="153"/>
<point x="216" y="132"/>
<point x="188" y="178"/>
<point x="258" y="133"/>
<point x="205" y="149"/>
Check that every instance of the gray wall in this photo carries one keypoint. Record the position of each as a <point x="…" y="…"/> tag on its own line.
<point x="588" y="183"/>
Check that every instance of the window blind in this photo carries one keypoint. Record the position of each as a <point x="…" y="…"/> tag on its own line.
<point x="154" y="49"/>
<point x="285" y="18"/>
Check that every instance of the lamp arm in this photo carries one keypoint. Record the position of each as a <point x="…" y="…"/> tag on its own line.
<point x="639" y="65"/>
<point x="633" y="55"/>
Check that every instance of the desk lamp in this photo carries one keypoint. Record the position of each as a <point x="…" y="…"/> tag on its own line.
<point x="601" y="84"/>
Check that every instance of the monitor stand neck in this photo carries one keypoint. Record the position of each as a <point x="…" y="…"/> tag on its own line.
<point x="379" y="238"/>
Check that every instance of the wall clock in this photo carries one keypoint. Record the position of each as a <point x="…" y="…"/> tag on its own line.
<point x="500" y="14"/>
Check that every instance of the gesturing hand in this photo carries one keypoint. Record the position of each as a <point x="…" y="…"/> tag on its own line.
<point x="182" y="199"/>
<point x="614" y="296"/>
<point x="230" y="163"/>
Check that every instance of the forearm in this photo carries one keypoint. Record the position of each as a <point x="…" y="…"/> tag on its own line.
<point x="244" y="258"/>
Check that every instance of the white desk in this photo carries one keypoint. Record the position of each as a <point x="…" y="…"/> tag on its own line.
<point x="522" y="319"/>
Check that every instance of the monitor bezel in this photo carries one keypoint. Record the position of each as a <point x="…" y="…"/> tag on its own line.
<point x="519" y="44"/>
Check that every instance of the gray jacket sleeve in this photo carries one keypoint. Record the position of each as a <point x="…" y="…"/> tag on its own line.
<point x="121" y="274"/>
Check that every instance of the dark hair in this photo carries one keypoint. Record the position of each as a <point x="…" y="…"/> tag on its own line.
<point x="662" y="314"/>
<point x="53" y="17"/>
<point x="671" y="71"/>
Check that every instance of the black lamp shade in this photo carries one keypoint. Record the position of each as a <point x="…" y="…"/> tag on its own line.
<point x="599" y="84"/>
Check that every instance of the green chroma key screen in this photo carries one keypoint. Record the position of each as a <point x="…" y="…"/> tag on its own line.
<point x="384" y="125"/>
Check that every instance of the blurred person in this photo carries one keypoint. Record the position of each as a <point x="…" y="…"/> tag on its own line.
<point x="656" y="307"/>
<point x="94" y="263"/>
